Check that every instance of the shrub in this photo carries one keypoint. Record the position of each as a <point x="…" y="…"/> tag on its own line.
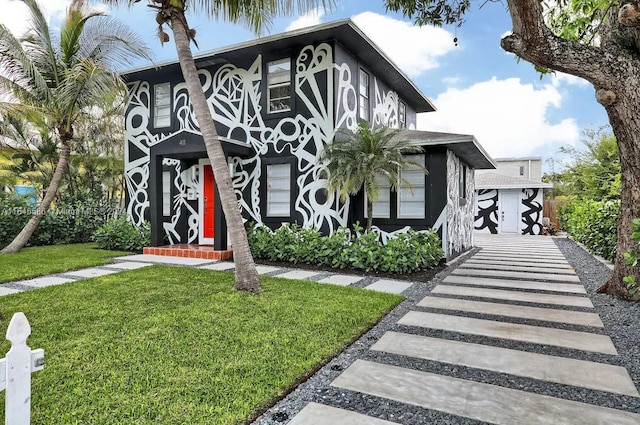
<point x="74" y="219"/>
<point x="120" y="234"/>
<point x="11" y="219"/>
<point x="404" y="253"/>
<point x="594" y="224"/>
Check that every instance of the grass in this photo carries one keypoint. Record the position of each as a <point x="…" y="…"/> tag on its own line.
<point x="43" y="260"/>
<point x="175" y="345"/>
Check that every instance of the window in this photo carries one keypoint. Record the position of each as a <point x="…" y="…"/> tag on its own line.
<point x="162" y="105"/>
<point x="279" y="190"/>
<point x="364" y="95"/>
<point x="411" y="203"/>
<point x="381" y="206"/>
<point x="279" y="85"/>
<point x="522" y="170"/>
<point x="462" y="181"/>
<point x="166" y="193"/>
<point x="402" y="115"/>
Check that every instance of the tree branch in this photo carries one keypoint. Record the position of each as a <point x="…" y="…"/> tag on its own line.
<point x="533" y="41"/>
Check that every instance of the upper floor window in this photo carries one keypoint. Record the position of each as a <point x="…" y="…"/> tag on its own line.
<point x="411" y="200"/>
<point x="279" y="190"/>
<point x="279" y="85"/>
<point x="402" y="115"/>
<point x="364" y="95"/>
<point x="522" y="170"/>
<point x="162" y="105"/>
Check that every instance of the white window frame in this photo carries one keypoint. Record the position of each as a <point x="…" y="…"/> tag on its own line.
<point x="383" y="187"/>
<point x="270" y="191"/>
<point x="402" y="115"/>
<point x="363" y="96"/>
<point x="164" y="102"/>
<point x="279" y="84"/>
<point x="420" y="159"/>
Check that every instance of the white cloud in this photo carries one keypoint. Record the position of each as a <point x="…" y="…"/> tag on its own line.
<point x="414" y="49"/>
<point x="313" y="17"/>
<point x="451" y="81"/>
<point x="559" y="78"/>
<point x="507" y="117"/>
<point x="15" y="14"/>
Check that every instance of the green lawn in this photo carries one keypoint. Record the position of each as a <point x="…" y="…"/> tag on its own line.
<point x="42" y="260"/>
<point x="176" y="345"/>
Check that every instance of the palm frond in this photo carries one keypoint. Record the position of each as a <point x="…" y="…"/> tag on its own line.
<point x="354" y="161"/>
<point x="17" y="67"/>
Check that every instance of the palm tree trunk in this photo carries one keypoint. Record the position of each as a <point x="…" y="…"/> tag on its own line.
<point x="369" y="215"/>
<point x="25" y="234"/>
<point x="246" y="275"/>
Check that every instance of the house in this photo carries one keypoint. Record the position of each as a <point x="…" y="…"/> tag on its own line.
<point x="277" y="101"/>
<point x="510" y="198"/>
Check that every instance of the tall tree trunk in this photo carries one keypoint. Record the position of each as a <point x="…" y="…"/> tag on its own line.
<point x="246" y="275"/>
<point x="624" y="115"/>
<point x="613" y="68"/>
<point x="369" y="215"/>
<point x="25" y="234"/>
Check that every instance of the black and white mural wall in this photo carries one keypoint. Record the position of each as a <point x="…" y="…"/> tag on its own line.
<point x="460" y="201"/>
<point x="486" y="220"/>
<point x="532" y="200"/>
<point x="488" y="210"/>
<point x="325" y="97"/>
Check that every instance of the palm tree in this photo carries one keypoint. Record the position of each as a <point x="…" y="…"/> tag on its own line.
<point x="54" y="79"/>
<point x="357" y="161"/>
<point x="255" y="14"/>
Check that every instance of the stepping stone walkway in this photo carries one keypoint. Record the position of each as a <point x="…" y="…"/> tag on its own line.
<point x="473" y="322"/>
<point x="133" y="262"/>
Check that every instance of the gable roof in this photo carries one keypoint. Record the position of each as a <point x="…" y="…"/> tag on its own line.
<point x="490" y="180"/>
<point x="465" y="146"/>
<point x="344" y="31"/>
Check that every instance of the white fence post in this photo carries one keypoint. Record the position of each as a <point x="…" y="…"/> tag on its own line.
<point x="15" y="371"/>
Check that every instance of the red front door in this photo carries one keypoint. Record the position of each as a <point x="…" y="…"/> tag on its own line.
<point x="208" y="201"/>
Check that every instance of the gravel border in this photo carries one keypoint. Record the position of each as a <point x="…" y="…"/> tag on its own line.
<point x="618" y="316"/>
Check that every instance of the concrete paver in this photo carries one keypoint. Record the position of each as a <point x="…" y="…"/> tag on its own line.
<point x="527" y="269"/>
<point x="266" y="269"/>
<point x="518" y="311"/>
<point x="89" y="273"/>
<point x="503" y="294"/>
<point x="572" y="288"/>
<point x="546" y="277"/>
<point x="475" y="400"/>
<point x="222" y="266"/>
<point x="341" y="279"/>
<point x="390" y="286"/>
<point x="320" y="414"/>
<point x="162" y="259"/>
<point x="133" y="265"/>
<point x="511" y="331"/>
<point x="298" y="274"/>
<point x="44" y="281"/>
<point x="561" y="370"/>
<point x="519" y="263"/>
<point x="7" y="291"/>
<point x="519" y="259"/>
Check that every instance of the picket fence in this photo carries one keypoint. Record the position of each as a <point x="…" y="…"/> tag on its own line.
<point x="16" y="369"/>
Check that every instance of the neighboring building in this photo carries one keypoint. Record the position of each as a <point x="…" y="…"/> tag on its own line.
<point x="277" y="102"/>
<point x="510" y="198"/>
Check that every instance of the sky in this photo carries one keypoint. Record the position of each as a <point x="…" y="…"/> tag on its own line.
<point x="477" y="87"/>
